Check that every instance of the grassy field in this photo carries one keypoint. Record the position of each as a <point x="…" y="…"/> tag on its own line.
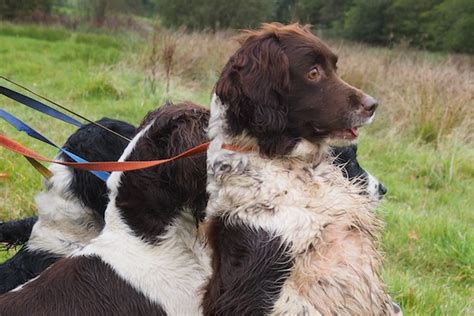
<point x="420" y="145"/>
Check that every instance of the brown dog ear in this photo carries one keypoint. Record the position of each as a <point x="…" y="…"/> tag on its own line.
<point x="254" y="85"/>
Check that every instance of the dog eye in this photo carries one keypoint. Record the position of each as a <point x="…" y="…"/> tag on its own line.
<point x="313" y="74"/>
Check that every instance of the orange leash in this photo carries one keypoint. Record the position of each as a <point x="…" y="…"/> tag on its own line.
<point x="107" y="165"/>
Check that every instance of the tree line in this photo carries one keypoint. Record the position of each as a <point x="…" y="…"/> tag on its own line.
<point x="440" y="25"/>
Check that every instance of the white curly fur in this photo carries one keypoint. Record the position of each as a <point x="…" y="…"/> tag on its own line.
<point x="64" y="223"/>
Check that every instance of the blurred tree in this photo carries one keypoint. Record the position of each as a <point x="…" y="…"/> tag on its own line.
<point x="320" y="12"/>
<point x="14" y="9"/>
<point x="284" y="11"/>
<point x="446" y="25"/>
<point x="308" y="11"/>
<point x="406" y="20"/>
<point x="451" y="26"/>
<point x="97" y="10"/>
<point x="366" y="21"/>
<point x="215" y="14"/>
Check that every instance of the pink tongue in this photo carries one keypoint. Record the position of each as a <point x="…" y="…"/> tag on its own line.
<point x="354" y="131"/>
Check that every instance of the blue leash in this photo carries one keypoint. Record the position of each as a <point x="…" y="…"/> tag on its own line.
<point x="23" y="127"/>
<point x="43" y="108"/>
<point x="37" y="105"/>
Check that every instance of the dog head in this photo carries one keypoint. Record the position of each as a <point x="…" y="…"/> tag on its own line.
<point x="150" y="199"/>
<point x="346" y="158"/>
<point x="94" y="143"/>
<point x="281" y="86"/>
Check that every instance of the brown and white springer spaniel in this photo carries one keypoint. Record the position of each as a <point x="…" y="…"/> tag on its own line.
<point x="290" y="234"/>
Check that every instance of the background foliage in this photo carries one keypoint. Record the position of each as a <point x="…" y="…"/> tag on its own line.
<point x="440" y="25"/>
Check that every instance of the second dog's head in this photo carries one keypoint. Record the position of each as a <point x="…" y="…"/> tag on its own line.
<point x="346" y="158"/>
<point x="281" y="86"/>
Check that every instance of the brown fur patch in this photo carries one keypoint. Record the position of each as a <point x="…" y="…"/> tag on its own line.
<point x="250" y="267"/>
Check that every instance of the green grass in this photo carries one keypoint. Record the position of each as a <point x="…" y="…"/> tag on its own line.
<point x="428" y="239"/>
<point x="87" y="76"/>
<point x="429" y="211"/>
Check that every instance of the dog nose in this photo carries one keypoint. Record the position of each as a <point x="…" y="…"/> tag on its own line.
<point x="382" y="189"/>
<point x="369" y="103"/>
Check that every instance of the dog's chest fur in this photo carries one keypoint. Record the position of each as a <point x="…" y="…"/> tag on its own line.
<point x="64" y="223"/>
<point x="326" y="225"/>
<point x="169" y="274"/>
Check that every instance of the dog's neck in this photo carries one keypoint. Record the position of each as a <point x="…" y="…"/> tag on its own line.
<point x="138" y="197"/>
<point x="219" y="135"/>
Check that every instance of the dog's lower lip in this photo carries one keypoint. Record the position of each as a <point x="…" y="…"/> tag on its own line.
<point x="354" y="131"/>
<point x="346" y="133"/>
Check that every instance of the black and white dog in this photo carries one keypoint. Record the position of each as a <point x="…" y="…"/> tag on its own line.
<point x="148" y="259"/>
<point x="346" y="158"/>
<point x="70" y="208"/>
